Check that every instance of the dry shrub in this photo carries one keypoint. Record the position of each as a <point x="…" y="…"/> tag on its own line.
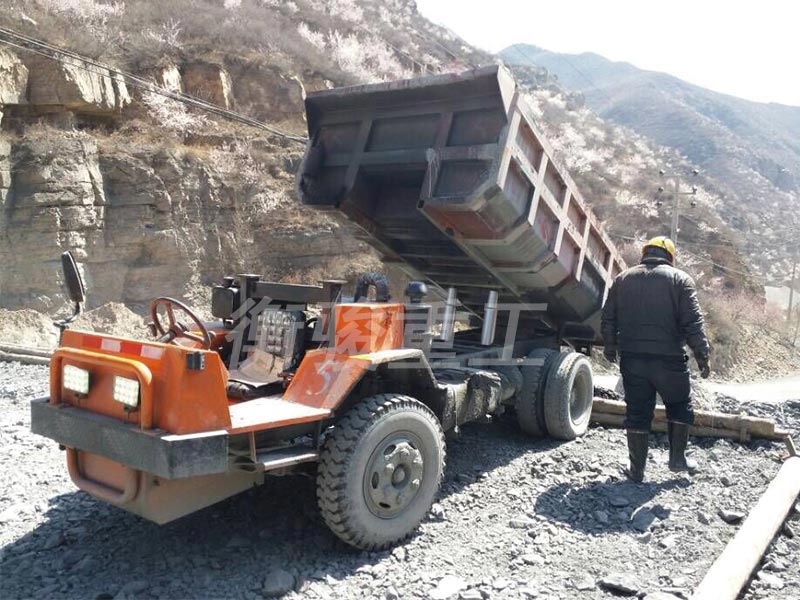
<point x="631" y="252"/>
<point x="173" y="115"/>
<point x="728" y="315"/>
<point x="368" y="58"/>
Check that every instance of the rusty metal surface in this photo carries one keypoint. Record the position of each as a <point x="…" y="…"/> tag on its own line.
<point x="450" y="177"/>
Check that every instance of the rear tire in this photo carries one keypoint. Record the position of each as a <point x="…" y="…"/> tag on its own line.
<point x="529" y="402"/>
<point x="380" y="470"/>
<point x="568" y="396"/>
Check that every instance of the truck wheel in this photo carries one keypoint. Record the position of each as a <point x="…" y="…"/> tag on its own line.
<point x="568" y="396"/>
<point x="529" y="402"/>
<point x="380" y="470"/>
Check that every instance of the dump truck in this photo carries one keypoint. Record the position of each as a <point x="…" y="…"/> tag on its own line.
<point x="449" y="178"/>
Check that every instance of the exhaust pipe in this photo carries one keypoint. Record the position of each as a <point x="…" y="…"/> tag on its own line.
<point x="489" y="319"/>
<point x="449" y="317"/>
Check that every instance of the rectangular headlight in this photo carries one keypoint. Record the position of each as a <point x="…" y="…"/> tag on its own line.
<point x="75" y="379"/>
<point x="126" y="391"/>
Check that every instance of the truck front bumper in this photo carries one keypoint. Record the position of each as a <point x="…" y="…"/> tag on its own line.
<point x="153" y="451"/>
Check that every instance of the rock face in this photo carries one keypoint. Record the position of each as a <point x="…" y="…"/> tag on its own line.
<point x="75" y="86"/>
<point x="5" y="170"/>
<point x="209" y="82"/>
<point x="148" y="220"/>
<point x="13" y="79"/>
<point x="268" y="94"/>
<point x="149" y="217"/>
<point x="170" y="79"/>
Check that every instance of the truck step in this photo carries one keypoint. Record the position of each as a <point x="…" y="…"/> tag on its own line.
<point x="286" y="457"/>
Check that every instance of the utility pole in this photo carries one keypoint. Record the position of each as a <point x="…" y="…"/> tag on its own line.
<point x="796" y="331"/>
<point x="676" y="201"/>
<point x="791" y="288"/>
<point x="676" y="207"/>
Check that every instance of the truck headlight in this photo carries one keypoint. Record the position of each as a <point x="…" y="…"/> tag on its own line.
<point x="126" y="391"/>
<point x="75" y="379"/>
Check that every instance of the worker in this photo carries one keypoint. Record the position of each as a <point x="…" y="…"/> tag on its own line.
<point x="650" y="313"/>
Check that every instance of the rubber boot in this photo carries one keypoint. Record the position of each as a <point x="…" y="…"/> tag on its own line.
<point x="638" y="444"/>
<point x="678" y="439"/>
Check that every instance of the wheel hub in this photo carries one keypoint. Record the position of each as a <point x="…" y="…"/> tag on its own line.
<point x="393" y="477"/>
<point x="579" y="399"/>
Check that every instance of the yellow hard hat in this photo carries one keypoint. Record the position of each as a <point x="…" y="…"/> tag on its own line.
<point x="662" y="242"/>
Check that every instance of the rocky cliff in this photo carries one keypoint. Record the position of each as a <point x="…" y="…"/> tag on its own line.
<point x="153" y="198"/>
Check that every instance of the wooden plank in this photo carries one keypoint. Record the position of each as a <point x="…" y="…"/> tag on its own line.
<point x="732" y="569"/>
<point x="762" y="428"/>
<point x="271" y="412"/>
<point x="611" y="420"/>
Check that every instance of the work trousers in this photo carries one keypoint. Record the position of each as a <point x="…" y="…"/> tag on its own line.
<point x="645" y="375"/>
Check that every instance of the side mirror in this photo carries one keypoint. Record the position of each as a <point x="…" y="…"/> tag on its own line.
<point x="72" y="278"/>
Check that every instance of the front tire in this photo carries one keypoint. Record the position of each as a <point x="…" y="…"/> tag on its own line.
<point x="380" y="470"/>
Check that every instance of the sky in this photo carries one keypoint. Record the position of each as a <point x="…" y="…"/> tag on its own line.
<point x="745" y="48"/>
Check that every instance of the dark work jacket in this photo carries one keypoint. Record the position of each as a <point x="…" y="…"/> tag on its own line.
<point x="652" y="308"/>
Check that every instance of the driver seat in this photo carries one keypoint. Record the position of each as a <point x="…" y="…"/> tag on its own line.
<point x="277" y="351"/>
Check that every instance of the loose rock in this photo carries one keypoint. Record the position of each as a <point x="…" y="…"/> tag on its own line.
<point x="620" y="582"/>
<point x="448" y="587"/>
<point x="618" y="501"/>
<point x="770" y="580"/>
<point x="277" y="583"/>
<point x="730" y="516"/>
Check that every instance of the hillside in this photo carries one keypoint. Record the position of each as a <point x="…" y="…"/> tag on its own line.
<point x="157" y="198"/>
<point x="750" y="149"/>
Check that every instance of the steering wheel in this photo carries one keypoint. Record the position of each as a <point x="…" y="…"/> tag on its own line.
<point x="177" y="329"/>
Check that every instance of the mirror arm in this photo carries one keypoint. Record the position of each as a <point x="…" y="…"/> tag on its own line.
<point x="63" y="323"/>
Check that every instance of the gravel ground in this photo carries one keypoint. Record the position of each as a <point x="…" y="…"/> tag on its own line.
<point x="518" y="518"/>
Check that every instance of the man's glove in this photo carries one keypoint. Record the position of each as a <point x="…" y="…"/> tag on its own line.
<point x="610" y="354"/>
<point x="703" y="364"/>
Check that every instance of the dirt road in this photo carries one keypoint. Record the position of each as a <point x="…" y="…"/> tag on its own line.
<point x="774" y="391"/>
<point x="517" y="518"/>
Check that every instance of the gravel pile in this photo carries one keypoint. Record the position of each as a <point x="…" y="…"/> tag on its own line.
<point x="113" y="318"/>
<point x="518" y="518"/>
<point x="27" y="328"/>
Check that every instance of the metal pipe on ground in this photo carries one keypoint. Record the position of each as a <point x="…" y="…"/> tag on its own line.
<point x="732" y="569"/>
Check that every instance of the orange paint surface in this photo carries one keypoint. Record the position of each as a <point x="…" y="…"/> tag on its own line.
<point x="181" y="400"/>
<point x="325" y="378"/>
<point x="368" y="327"/>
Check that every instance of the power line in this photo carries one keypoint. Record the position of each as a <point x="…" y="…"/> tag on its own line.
<point x="700" y="258"/>
<point x="42" y="48"/>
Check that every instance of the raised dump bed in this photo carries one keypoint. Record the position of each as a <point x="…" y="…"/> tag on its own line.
<point x="450" y="176"/>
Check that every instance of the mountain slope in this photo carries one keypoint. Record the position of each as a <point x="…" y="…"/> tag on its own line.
<point x="751" y="149"/>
